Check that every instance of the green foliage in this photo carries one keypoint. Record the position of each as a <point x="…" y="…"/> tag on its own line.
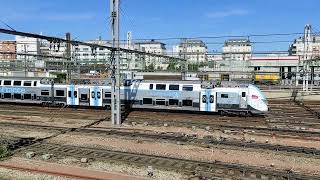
<point x="172" y="66"/>
<point x="4" y="152"/>
<point x="150" y="67"/>
<point x="61" y="77"/>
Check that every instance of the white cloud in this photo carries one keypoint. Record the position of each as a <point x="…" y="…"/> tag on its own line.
<point x="227" y="13"/>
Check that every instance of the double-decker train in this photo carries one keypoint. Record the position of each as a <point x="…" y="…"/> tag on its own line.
<point x="169" y="95"/>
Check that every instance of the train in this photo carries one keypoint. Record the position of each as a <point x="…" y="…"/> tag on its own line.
<point x="267" y="79"/>
<point x="137" y="94"/>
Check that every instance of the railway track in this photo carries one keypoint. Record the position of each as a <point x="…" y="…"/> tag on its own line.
<point x="206" y="142"/>
<point x="189" y="167"/>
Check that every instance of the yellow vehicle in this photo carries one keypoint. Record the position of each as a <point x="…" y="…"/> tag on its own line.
<point x="270" y="78"/>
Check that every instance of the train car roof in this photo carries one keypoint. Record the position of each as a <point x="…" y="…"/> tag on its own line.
<point x="171" y="82"/>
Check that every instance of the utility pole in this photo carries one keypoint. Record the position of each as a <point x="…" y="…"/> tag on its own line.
<point x="68" y="54"/>
<point x="25" y="60"/>
<point x="306" y="57"/>
<point x="184" y="67"/>
<point x="115" y="90"/>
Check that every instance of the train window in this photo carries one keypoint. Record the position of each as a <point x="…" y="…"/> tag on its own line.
<point x="243" y="94"/>
<point x="27" y="83"/>
<point x="17" y="83"/>
<point x="147" y="100"/>
<point x="69" y="93"/>
<point x="75" y="94"/>
<point x="211" y="99"/>
<point x="27" y="96"/>
<point x="174" y="87"/>
<point x="45" y="93"/>
<point x="173" y="102"/>
<point x="7" y="95"/>
<point x="204" y="98"/>
<point x="161" y="102"/>
<point x="107" y="95"/>
<point x="0" y="82"/>
<point x="7" y="83"/>
<point x="98" y="95"/>
<point x="160" y="87"/>
<point x="84" y="97"/>
<point x="35" y="83"/>
<point x="92" y="94"/>
<point x="151" y="86"/>
<point x="17" y="96"/>
<point x="60" y="93"/>
<point x="187" y="88"/>
<point x="186" y="102"/>
<point x="224" y="96"/>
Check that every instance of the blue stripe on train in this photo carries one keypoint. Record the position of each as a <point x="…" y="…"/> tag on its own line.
<point x="72" y="100"/>
<point x="95" y="101"/>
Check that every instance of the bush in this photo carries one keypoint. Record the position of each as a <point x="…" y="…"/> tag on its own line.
<point x="4" y="152"/>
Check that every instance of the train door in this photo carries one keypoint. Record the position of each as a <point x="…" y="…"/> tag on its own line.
<point x="208" y="100"/>
<point x="243" y="100"/>
<point x="96" y="96"/>
<point x="72" y="98"/>
<point x="84" y="96"/>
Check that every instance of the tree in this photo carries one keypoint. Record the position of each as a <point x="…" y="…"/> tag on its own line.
<point x="172" y="66"/>
<point x="150" y="67"/>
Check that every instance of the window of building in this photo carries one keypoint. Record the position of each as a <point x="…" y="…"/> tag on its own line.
<point x="174" y="87"/>
<point x="187" y="88"/>
<point x="85" y="49"/>
<point x="17" y="83"/>
<point x="257" y="68"/>
<point x="85" y="54"/>
<point x="160" y="87"/>
<point x="224" y="95"/>
<point x="60" y="93"/>
<point x="7" y="83"/>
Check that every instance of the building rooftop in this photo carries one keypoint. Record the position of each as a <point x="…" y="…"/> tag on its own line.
<point x="237" y="42"/>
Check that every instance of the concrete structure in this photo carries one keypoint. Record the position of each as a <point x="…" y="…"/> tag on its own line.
<point x="154" y="47"/>
<point x="237" y="49"/>
<point x="195" y="51"/>
<point x="8" y="51"/>
<point x="306" y="46"/>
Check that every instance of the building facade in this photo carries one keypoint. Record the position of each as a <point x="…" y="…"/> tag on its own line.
<point x="237" y="49"/>
<point x="154" y="47"/>
<point x="195" y="51"/>
<point x="8" y="51"/>
<point x="311" y="48"/>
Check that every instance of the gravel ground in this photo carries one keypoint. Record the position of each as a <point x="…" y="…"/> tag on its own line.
<point x="286" y="141"/>
<point x="15" y="132"/>
<point x="254" y="158"/>
<point x="123" y="168"/>
<point x="10" y="174"/>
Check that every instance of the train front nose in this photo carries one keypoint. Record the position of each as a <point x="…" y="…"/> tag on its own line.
<point x="263" y="107"/>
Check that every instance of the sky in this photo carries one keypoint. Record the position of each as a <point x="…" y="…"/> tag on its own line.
<point x="151" y="19"/>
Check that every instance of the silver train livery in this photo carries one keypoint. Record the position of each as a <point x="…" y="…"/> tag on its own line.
<point x="169" y="95"/>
